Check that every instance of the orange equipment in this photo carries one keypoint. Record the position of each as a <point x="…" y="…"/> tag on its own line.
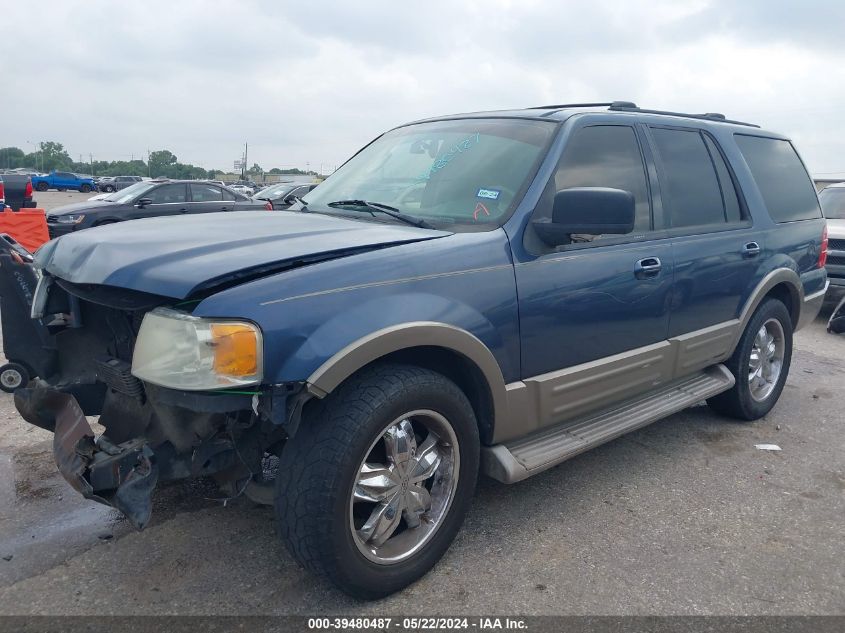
<point x="27" y="226"/>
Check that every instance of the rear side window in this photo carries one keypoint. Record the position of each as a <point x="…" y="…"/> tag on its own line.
<point x="690" y="184"/>
<point x="783" y="181"/>
<point x="733" y="212"/>
<point x="205" y="193"/>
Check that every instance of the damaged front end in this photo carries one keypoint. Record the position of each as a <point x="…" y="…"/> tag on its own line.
<point x="152" y="433"/>
<point x="120" y="476"/>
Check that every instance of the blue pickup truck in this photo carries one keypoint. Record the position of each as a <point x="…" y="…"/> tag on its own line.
<point x="483" y="293"/>
<point x="63" y="180"/>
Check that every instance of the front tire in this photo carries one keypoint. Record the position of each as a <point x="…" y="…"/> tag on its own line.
<point x="85" y="188"/>
<point x="760" y="364"/>
<point x="42" y="186"/>
<point x="374" y="486"/>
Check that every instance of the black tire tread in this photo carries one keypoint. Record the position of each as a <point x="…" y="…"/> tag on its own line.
<point x="735" y="403"/>
<point x="309" y="479"/>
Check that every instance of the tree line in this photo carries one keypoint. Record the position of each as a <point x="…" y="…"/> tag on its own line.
<point x="160" y="164"/>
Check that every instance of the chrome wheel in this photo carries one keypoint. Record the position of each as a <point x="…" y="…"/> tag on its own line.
<point x="404" y="487"/>
<point x="766" y="360"/>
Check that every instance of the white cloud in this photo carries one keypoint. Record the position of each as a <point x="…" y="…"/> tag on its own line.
<point x="312" y="82"/>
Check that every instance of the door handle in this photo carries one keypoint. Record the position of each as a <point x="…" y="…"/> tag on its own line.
<point x="183" y="210"/>
<point x="647" y="267"/>
<point x="752" y="249"/>
<point x="224" y="208"/>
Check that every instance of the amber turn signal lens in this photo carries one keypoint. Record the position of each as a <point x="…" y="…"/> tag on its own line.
<point x="235" y="349"/>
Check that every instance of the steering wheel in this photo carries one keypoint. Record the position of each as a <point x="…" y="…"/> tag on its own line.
<point x="414" y="189"/>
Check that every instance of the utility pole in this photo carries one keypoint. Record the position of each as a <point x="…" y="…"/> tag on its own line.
<point x="91" y="158"/>
<point x="243" y="165"/>
<point x="149" y="169"/>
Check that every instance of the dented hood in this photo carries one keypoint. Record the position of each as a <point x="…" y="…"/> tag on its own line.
<point x="180" y="256"/>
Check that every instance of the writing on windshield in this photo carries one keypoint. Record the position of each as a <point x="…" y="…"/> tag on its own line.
<point x="458" y="148"/>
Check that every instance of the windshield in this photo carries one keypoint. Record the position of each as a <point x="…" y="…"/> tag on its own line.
<point x="130" y="193"/>
<point x="275" y="191"/>
<point x="467" y="174"/>
<point x="832" y="200"/>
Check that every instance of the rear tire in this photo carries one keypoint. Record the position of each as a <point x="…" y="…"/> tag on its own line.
<point x="42" y="186"/>
<point x="85" y="188"/>
<point x="760" y="364"/>
<point x="372" y="535"/>
<point x="13" y="376"/>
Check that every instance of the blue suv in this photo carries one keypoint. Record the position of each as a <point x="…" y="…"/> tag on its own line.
<point x="481" y="293"/>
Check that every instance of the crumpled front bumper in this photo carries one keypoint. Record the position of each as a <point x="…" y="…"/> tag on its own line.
<point x="122" y="476"/>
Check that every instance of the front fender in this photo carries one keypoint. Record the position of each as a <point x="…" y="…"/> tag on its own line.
<point x="365" y="331"/>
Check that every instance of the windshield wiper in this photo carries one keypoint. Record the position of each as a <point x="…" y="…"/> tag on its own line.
<point x="383" y="208"/>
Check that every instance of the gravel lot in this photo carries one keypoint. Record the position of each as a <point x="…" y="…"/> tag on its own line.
<point x="683" y="517"/>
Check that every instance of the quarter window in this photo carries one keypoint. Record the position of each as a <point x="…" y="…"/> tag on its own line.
<point x="780" y="175"/>
<point x="689" y="185"/>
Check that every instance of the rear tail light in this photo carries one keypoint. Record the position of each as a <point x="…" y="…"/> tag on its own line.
<point x="269" y="206"/>
<point x="823" y="251"/>
<point x="2" y="191"/>
<point x="27" y="192"/>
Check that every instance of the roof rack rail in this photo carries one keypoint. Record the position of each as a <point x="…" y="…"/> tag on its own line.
<point x="562" y="106"/>
<point x="708" y="116"/>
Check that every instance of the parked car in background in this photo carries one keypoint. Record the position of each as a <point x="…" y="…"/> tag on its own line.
<point x="116" y="183"/>
<point x="146" y="199"/>
<point x="283" y="195"/>
<point x="18" y="191"/>
<point x="832" y="199"/>
<point x="242" y="189"/>
<point x="62" y="181"/>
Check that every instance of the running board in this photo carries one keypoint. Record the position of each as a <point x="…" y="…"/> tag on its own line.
<point x="519" y="459"/>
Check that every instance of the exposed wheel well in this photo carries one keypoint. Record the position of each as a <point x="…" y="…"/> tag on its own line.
<point x="460" y="370"/>
<point x="788" y="295"/>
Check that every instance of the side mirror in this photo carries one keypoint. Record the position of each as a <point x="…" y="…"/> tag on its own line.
<point x="589" y="210"/>
<point x="143" y="202"/>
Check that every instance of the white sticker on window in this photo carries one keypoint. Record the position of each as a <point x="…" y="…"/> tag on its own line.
<point x="490" y="194"/>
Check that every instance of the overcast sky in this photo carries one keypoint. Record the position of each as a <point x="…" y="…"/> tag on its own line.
<point x="310" y="82"/>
